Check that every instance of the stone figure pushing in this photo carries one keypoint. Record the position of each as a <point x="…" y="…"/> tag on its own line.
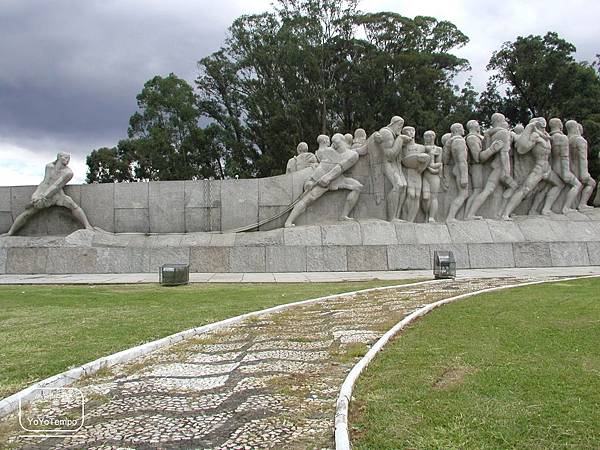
<point x="390" y="142"/>
<point x="431" y="177"/>
<point x="460" y="171"/>
<point x="561" y="164"/>
<point x="415" y="160"/>
<point x="302" y="160"/>
<point x="474" y="140"/>
<point x="329" y="176"/>
<point x="50" y="193"/>
<point x="578" y="148"/>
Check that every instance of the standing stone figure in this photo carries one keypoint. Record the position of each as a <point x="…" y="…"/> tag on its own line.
<point x="536" y="140"/>
<point x="50" y="193"/>
<point x="431" y="176"/>
<point x="562" y="166"/>
<point x="497" y="143"/>
<point x="578" y="147"/>
<point x="390" y="141"/>
<point x="360" y="138"/>
<point x="415" y="160"/>
<point x="474" y="140"/>
<point x="458" y="152"/>
<point x="303" y="159"/>
<point x="329" y="176"/>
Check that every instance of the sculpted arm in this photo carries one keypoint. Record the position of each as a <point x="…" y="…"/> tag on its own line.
<point x="582" y="163"/>
<point x="59" y="184"/>
<point x="474" y="146"/>
<point x="565" y="165"/>
<point x="339" y="169"/>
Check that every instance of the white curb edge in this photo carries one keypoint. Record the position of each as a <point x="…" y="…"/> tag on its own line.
<point x="342" y="438"/>
<point x="11" y="404"/>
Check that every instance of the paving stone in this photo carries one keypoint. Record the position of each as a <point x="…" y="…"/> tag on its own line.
<point x="532" y="254"/>
<point x="286" y="259"/>
<point x="326" y="259"/>
<point x="569" y="254"/>
<point x="210" y="259"/>
<point x="403" y="257"/>
<point x="483" y="256"/>
<point x="378" y="233"/>
<point x="302" y="235"/>
<point x="372" y="256"/>
<point x="248" y="259"/>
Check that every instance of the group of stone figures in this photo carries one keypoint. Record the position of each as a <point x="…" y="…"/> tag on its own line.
<point x="479" y="163"/>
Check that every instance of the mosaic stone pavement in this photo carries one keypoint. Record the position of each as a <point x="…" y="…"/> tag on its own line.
<point x="268" y="382"/>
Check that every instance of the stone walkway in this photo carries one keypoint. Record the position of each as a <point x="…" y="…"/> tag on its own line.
<point x="293" y="277"/>
<point x="270" y="382"/>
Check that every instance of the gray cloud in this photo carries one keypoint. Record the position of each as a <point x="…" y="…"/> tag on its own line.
<point x="70" y="69"/>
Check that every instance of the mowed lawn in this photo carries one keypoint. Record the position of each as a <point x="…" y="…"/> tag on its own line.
<point x="45" y="330"/>
<point x="517" y="369"/>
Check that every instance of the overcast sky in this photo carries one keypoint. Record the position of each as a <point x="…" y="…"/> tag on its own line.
<point x="70" y="69"/>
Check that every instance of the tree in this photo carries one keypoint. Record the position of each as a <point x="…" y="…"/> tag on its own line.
<point x="164" y="141"/>
<point x="538" y="76"/>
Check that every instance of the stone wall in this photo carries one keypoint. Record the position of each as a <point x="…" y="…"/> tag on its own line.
<point x="353" y="246"/>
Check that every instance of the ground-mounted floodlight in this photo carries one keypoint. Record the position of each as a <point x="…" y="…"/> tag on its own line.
<point x="444" y="264"/>
<point x="174" y="274"/>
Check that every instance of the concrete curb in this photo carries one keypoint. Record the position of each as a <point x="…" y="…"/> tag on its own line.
<point x="11" y="404"/>
<point x="342" y="438"/>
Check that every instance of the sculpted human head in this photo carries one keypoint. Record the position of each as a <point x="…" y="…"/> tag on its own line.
<point x="445" y="138"/>
<point x="323" y="140"/>
<point x="498" y="120"/>
<point x="572" y="127"/>
<point x="429" y="137"/>
<point x="396" y="124"/>
<point x="409" y="131"/>
<point x="457" y="129"/>
<point x="338" y="142"/>
<point x="349" y="138"/>
<point x="555" y="124"/>
<point x="519" y="128"/>
<point x="63" y="157"/>
<point x="302" y="148"/>
<point x="541" y="121"/>
<point x="473" y="126"/>
<point x="360" y="135"/>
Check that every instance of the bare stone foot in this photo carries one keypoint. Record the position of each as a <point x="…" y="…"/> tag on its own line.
<point x="585" y="208"/>
<point x="347" y="219"/>
<point x="506" y="217"/>
<point x="451" y="220"/>
<point x="289" y="225"/>
<point x="567" y="210"/>
<point x="397" y="220"/>
<point x="431" y="220"/>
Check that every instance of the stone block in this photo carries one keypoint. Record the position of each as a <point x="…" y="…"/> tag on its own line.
<point x="537" y="229"/>
<point x="123" y="260"/>
<point x="460" y="251"/>
<point x="298" y="179"/>
<point x="472" y="231"/>
<point x="20" y="197"/>
<point x="71" y="260"/>
<point x="6" y="221"/>
<point x="248" y="259"/>
<point x="202" y="193"/>
<point x="275" y="191"/>
<point x="569" y="254"/>
<point x="202" y="219"/>
<point x="306" y="235"/>
<point x="343" y="233"/>
<point x="406" y="233"/>
<point x="367" y="208"/>
<point x="3" y="254"/>
<point x="196" y="239"/>
<point x="432" y="233"/>
<point x="131" y="195"/>
<point x="210" y="259"/>
<point x="259" y="238"/>
<point x="574" y="231"/>
<point x="240" y="203"/>
<point x="168" y="255"/>
<point x="5" y="199"/>
<point x="166" y="207"/>
<point x="267" y="213"/>
<point x="286" y="259"/>
<point x="222" y="239"/>
<point x="505" y="231"/>
<point x="26" y="260"/>
<point x="484" y="256"/>
<point x="409" y="257"/>
<point x="378" y="232"/>
<point x="132" y="220"/>
<point x="98" y="202"/>
<point x="326" y="259"/>
<point x="366" y="258"/>
<point x="532" y="254"/>
<point x="594" y="253"/>
<point x="60" y="221"/>
<point x="326" y="209"/>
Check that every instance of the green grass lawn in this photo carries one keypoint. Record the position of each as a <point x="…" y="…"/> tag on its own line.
<point x="45" y="330"/>
<point x="517" y="369"/>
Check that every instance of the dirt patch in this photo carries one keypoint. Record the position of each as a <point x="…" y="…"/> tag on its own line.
<point x="453" y="376"/>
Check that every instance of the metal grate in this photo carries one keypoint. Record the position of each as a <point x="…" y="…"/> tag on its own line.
<point x="174" y="274"/>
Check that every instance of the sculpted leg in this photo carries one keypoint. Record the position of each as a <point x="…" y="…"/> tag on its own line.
<point x="553" y="193"/>
<point x="575" y="187"/>
<point x="80" y="215"/>
<point x="461" y="196"/>
<point x="350" y="203"/>
<point x="21" y="220"/>
<point x="426" y="199"/>
<point x="490" y="187"/>
<point x="315" y="193"/>
<point x="538" y="199"/>
<point x="586" y="193"/>
<point x="477" y="184"/>
<point x="531" y="182"/>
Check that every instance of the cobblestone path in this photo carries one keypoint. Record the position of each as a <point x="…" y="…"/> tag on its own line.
<point x="270" y="382"/>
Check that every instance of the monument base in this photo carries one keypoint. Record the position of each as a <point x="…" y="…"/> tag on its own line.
<point x="368" y="245"/>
